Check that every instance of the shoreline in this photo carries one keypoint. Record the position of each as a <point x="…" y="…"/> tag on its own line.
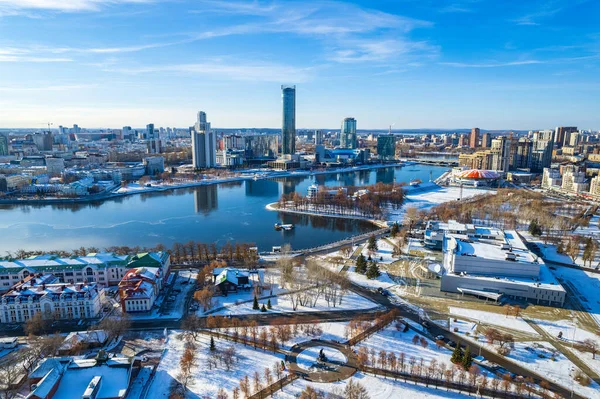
<point x="379" y="223"/>
<point x="154" y="189"/>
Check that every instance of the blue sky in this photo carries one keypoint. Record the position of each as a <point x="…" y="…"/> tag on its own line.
<point x="414" y="63"/>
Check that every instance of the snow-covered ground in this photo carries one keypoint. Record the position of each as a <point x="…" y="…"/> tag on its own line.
<point x="335" y="331"/>
<point x="283" y="304"/>
<point x="307" y="359"/>
<point x="383" y="253"/>
<point x="391" y="340"/>
<point x="585" y="286"/>
<point x="497" y="319"/>
<point x="569" y="330"/>
<point x="207" y="381"/>
<point x="377" y="388"/>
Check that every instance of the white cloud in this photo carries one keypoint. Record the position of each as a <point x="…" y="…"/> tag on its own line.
<point x="61" y="5"/>
<point x="491" y="65"/>
<point x="264" y="72"/>
<point x="354" y="51"/>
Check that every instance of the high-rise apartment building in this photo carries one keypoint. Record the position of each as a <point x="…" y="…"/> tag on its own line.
<point x="348" y="134"/>
<point x="501" y="154"/>
<point x="486" y="140"/>
<point x="204" y="144"/>
<point x="561" y="135"/>
<point x="463" y="140"/>
<point x="152" y="140"/>
<point x="3" y="145"/>
<point x="318" y="137"/>
<point x="521" y="152"/>
<point x="542" y="146"/>
<point x="288" y="125"/>
<point x="474" y="138"/>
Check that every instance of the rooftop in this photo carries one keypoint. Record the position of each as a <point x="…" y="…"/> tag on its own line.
<point x="495" y="249"/>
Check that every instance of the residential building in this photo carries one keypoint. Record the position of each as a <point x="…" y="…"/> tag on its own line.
<point x="43" y="141"/>
<point x="463" y="140"/>
<point x="542" y="146"/>
<point x="386" y="147"/>
<point x="81" y="340"/>
<point x="474" y="138"/>
<point x="500" y="154"/>
<point x="43" y="293"/>
<point x="551" y="179"/>
<point x="318" y="137"/>
<point x="521" y="154"/>
<point x="573" y="180"/>
<point x="70" y="377"/>
<point x="348" y="134"/>
<point x="3" y="145"/>
<point x="486" y="140"/>
<point x="231" y="158"/>
<point x="139" y="289"/>
<point x="154" y="165"/>
<point x="477" y="160"/>
<point x="204" y="144"/>
<point x="561" y="135"/>
<point x="261" y="147"/>
<point x="229" y="279"/>
<point x="103" y="268"/>
<point x="595" y="186"/>
<point x="153" y="142"/>
<point x="288" y="126"/>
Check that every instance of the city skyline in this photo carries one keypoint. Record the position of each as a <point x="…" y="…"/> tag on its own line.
<point x="430" y="65"/>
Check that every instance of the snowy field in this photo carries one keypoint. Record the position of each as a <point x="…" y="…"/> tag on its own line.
<point x="207" y="381"/>
<point x="335" y="331"/>
<point x="383" y="253"/>
<point x="585" y="286"/>
<point x="377" y="388"/>
<point x="283" y="304"/>
<point x="496" y="319"/>
<point x="307" y="359"/>
<point x="569" y="330"/>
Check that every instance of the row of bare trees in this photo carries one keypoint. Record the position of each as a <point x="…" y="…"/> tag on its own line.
<point x="199" y="252"/>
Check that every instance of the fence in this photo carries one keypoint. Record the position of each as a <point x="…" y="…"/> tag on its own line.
<point x="370" y="331"/>
<point x="274" y="387"/>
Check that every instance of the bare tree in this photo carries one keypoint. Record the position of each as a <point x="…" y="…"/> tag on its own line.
<point x="355" y="390"/>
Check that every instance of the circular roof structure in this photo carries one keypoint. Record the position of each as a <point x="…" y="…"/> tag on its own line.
<point x="478" y="174"/>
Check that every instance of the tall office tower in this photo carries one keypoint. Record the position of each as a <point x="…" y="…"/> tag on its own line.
<point x="386" y="147"/>
<point x="474" y="137"/>
<point x="3" y="145"/>
<point x="561" y="135"/>
<point x="500" y="154"/>
<point x="204" y="144"/>
<point x="288" y="125"/>
<point x="348" y="133"/>
<point x="543" y="144"/>
<point x="486" y="140"/>
<point x="152" y="140"/>
<point x="318" y="137"/>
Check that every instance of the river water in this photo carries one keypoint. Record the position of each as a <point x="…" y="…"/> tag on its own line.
<point x="212" y="213"/>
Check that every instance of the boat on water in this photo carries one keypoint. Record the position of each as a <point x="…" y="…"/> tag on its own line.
<point x="279" y="226"/>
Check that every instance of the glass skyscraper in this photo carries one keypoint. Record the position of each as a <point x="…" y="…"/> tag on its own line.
<point x="288" y="126"/>
<point x="348" y="133"/>
<point x="386" y="147"/>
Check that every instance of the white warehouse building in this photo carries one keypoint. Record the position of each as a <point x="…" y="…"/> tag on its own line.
<point x="498" y="265"/>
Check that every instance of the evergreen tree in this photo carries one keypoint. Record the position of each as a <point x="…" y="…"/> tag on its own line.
<point x="467" y="359"/>
<point x="361" y="264"/>
<point x="269" y="304"/>
<point x="212" y="344"/>
<point x="395" y="230"/>
<point x="255" y="304"/>
<point x="373" y="271"/>
<point x="372" y="246"/>
<point x="457" y="355"/>
<point x="263" y="309"/>
<point x="534" y="228"/>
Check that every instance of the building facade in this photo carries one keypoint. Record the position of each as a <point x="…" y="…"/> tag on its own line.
<point x="474" y="138"/>
<point x="288" y="124"/>
<point x="348" y="134"/>
<point x="386" y="147"/>
<point x="54" y="300"/>
<point x="139" y="289"/>
<point x="204" y="144"/>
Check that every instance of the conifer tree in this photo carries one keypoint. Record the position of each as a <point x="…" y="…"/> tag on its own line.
<point x="255" y="304"/>
<point x="373" y="271"/>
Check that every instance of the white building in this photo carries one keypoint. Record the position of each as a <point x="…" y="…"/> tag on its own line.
<point x="204" y="144"/>
<point x="551" y="178"/>
<point x="55" y="301"/>
<point x="139" y="289"/>
<point x="595" y="186"/>
<point x="574" y="181"/>
<point x="497" y="264"/>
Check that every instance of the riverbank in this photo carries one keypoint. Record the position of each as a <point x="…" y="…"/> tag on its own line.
<point x="273" y="207"/>
<point x="250" y="175"/>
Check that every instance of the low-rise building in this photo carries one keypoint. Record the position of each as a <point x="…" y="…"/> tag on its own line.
<point x="54" y="300"/>
<point x="104" y="268"/>
<point x="100" y="378"/>
<point x="495" y="265"/>
<point x="139" y="289"/>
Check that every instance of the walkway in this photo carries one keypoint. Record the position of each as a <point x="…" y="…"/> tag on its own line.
<point x="331" y="371"/>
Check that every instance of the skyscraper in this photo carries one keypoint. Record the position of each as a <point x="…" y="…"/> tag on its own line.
<point x="500" y="154"/>
<point x="204" y="144"/>
<point x="348" y="133"/>
<point x="486" y="140"/>
<point x="561" y="135"/>
<point x="152" y="140"/>
<point x="288" y="125"/>
<point x="318" y="137"/>
<point x="543" y="145"/>
<point x="386" y="147"/>
<point x="474" y="137"/>
<point x="3" y="145"/>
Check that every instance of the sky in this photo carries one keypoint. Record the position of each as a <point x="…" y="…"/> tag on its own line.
<point x="446" y="64"/>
